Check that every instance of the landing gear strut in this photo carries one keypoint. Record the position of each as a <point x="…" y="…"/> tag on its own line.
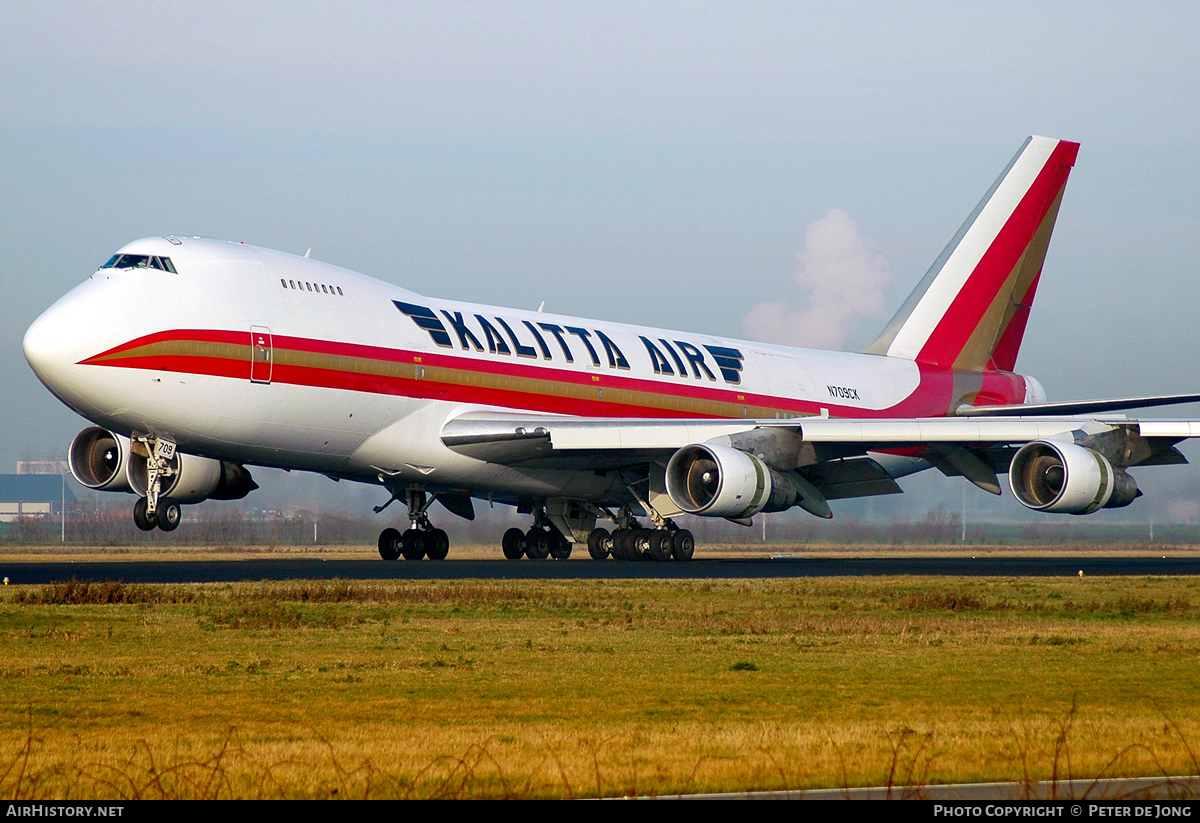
<point x="421" y="539"/>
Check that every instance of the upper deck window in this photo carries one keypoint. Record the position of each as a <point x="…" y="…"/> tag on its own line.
<point x="139" y="261"/>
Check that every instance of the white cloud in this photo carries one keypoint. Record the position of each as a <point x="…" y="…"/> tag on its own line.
<point x="844" y="278"/>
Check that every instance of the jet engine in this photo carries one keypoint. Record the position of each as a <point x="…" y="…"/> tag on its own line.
<point x="106" y="461"/>
<point x="1064" y="477"/>
<point x="193" y="478"/>
<point x="99" y="460"/>
<point x="720" y="481"/>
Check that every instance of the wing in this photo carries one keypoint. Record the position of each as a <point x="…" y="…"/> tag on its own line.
<point x="600" y="443"/>
<point x="837" y="458"/>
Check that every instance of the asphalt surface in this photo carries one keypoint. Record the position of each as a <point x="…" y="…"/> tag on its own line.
<point x="1180" y="792"/>
<point x="219" y="571"/>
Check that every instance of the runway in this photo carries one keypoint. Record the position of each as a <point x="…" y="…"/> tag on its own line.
<point x="222" y="571"/>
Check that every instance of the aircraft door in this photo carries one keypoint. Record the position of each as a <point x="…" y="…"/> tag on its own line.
<point x="261" y="355"/>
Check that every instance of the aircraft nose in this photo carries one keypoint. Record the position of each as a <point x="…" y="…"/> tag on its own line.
<point x="47" y="346"/>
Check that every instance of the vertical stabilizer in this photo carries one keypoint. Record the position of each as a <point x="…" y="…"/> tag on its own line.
<point x="969" y="310"/>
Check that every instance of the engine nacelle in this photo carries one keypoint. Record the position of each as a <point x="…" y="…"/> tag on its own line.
<point x="720" y="481"/>
<point x="99" y="460"/>
<point x="193" y="478"/>
<point x="1049" y="476"/>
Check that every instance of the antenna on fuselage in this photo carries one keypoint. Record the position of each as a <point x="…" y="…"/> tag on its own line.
<point x="307" y="253"/>
<point x="541" y="307"/>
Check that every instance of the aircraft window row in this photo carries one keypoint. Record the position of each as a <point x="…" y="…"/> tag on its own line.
<point x="140" y="261"/>
<point x="317" y="287"/>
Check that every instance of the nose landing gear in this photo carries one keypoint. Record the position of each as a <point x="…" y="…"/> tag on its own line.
<point x="153" y="510"/>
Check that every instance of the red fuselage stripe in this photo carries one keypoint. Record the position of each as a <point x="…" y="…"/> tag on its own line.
<point x="932" y="398"/>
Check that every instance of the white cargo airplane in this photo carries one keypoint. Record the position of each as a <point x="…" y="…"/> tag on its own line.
<point x="196" y="357"/>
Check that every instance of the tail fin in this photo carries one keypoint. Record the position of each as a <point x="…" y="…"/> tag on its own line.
<point x="969" y="310"/>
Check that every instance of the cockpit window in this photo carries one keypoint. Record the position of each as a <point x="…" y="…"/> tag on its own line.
<point x="139" y="261"/>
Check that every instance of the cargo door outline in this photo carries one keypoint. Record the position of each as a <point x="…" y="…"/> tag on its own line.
<point x="262" y="355"/>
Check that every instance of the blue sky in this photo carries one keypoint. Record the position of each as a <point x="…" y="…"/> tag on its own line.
<point x="654" y="163"/>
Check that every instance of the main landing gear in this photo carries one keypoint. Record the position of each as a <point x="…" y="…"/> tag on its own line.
<point x="414" y="544"/>
<point x="642" y="544"/>
<point x="629" y="542"/>
<point x="421" y="539"/>
<point x="632" y="542"/>
<point x="540" y="542"/>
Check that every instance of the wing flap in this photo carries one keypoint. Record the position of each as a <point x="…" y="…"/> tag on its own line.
<point x="858" y="477"/>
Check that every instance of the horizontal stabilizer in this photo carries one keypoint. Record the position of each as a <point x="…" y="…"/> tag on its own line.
<point x="1077" y="406"/>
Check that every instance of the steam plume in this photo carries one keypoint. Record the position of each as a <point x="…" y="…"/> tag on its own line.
<point x="844" y="278"/>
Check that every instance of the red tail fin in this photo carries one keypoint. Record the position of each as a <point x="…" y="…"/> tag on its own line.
<point x="970" y="309"/>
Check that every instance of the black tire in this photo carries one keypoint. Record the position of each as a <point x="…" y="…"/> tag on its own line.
<point x="660" y="545"/>
<point x="437" y="544"/>
<point x="412" y="544"/>
<point x="638" y="546"/>
<point x="560" y="547"/>
<point x="599" y="544"/>
<point x="169" y="514"/>
<point x="683" y="545"/>
<point x="141" y="518"/>
<point x="389" y="544"/>
<point x="537" y="544"/>
<point x="620" y="540"/>
<point x="513" y="544"/>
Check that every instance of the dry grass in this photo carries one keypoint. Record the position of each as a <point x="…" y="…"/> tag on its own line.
<point x="549" y="689"/>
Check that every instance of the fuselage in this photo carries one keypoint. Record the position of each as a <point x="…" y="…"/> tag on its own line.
<point x="262" y="357"/>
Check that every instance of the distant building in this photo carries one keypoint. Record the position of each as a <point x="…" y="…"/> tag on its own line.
<point x="43" y="467"/>
<point x="32" y="495"/>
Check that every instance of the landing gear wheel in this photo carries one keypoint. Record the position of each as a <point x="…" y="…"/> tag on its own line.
<point x="412" y="544"/>
<point x="660" y="545"/>
<point x="560" y="547"/>
<point x="599" y="544"/>
<point x="683" y="545"/>
<point x="513" y="544"/>
<point x="389" y="544"/>
<point x="638" y="547"/>
<point x="437" y="544"/>
<point x="141" y="518"/>
<point x="537" y="544"/>
<point x="620" y="539"/>
<point x="169" y="514"/>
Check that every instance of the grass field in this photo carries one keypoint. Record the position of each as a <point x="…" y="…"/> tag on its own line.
<point x="570" y="689"/>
